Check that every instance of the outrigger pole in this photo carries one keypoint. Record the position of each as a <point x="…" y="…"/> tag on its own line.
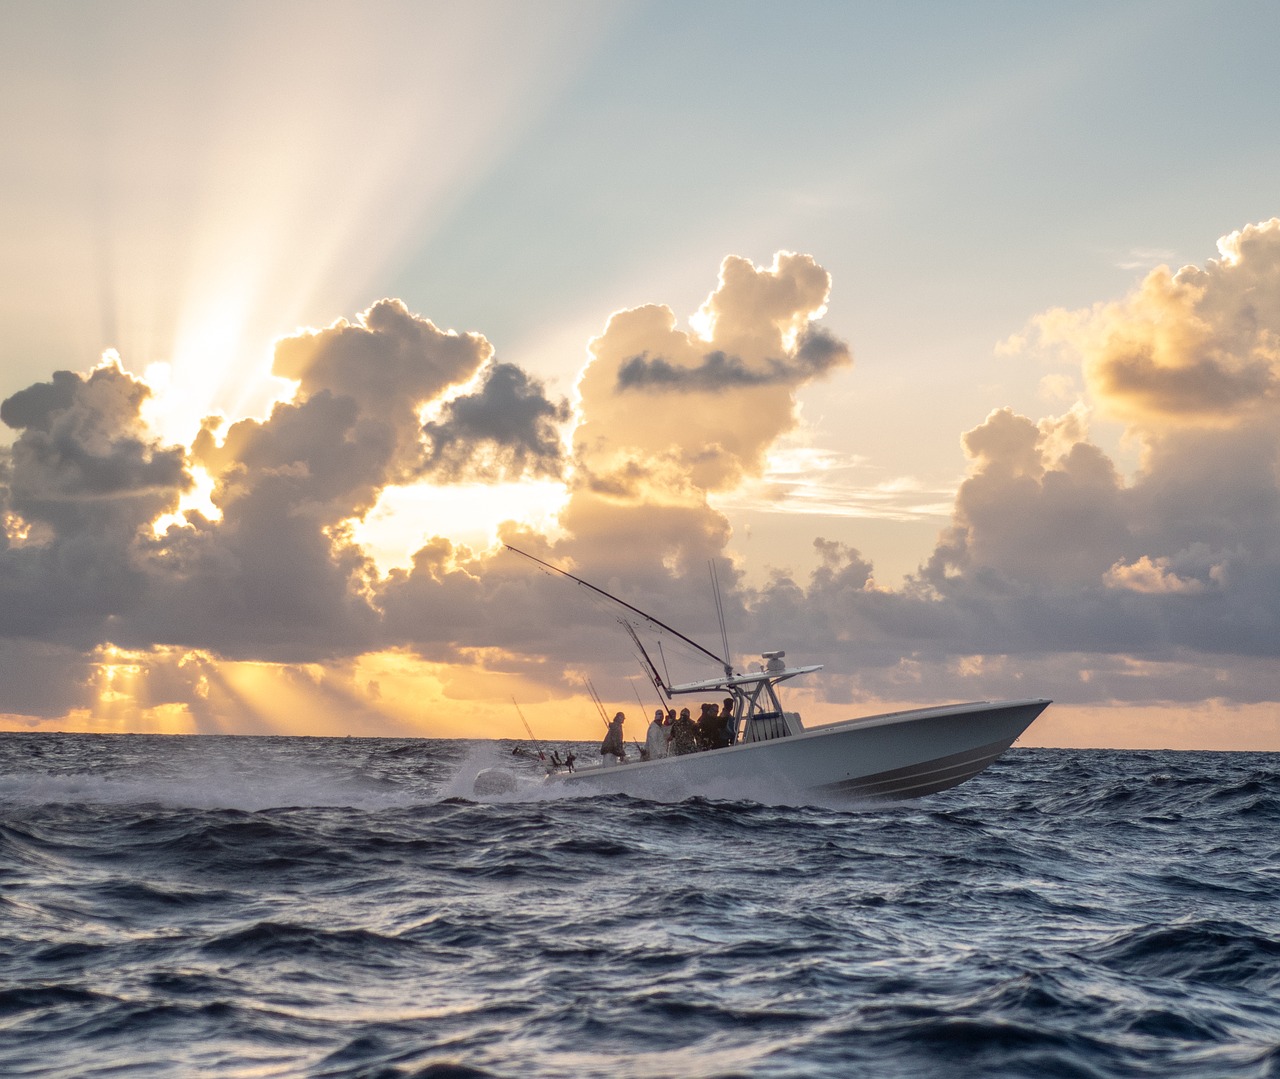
<point x="728" y="668"/>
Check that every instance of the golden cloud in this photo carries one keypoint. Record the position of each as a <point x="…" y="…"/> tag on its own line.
<point x="1199" y="347"/>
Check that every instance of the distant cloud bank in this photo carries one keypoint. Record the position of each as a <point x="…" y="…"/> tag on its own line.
<point x="1056" y="576"/>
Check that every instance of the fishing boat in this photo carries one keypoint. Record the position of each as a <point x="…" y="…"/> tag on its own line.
<point x="892" y="756"/>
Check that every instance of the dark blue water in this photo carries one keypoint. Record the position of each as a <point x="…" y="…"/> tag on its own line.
<point x="311" y="907"/>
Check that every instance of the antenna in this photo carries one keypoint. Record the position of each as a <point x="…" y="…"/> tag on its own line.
<point x="665" y="673"/>
<point x="724" y="634"/>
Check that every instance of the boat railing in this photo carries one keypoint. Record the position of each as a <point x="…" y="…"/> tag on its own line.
<point x="765" y="726"/>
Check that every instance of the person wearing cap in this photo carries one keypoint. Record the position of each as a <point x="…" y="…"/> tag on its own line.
<point x="684" y="735"/>
<point x="612" y="746"/>
<point x="655" y="739"/>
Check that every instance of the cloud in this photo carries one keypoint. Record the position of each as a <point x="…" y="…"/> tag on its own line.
<point x="1058" y="575"/>
<point x="1055" y="575"/>
<point x="505" y="429"/>
<point x="672" y="414"/>
<point x="1034" y="511"/>
<point x="815" y="353"/>
<point x="1153" y="577"/>
<point x="388" y="365"/>
<point x="84" y="482"/>
<point x="84" y="462"/>
<point x="647" y="449"/>
<point x="279" y="576"/>
<point x="1195" y="347"/>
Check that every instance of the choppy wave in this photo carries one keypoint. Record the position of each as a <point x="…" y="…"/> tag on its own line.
<point x="341" y="908"/>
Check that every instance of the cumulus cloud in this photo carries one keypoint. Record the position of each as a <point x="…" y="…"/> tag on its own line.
<point x="1199" y="346"/>
<point x="683" y="413"/>
<point x="387" y="360"/>
<point x="85" y="479"/>
<point x="278" y="575"/>
<point x="1034" y="512"/>
<point x="510" y="417"/>
<point x="1066" y="578"/>
<point x="84" y="462"/>
<point x="695" y="414"/>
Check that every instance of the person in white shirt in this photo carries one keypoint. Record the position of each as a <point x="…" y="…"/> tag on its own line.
<point x="655" y="741"/>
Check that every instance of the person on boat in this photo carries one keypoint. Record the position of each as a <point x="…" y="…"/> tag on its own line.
<point x="655" y="739"/>
<point x="613" y="746"/>
<point x="684" y="735"/>
<point x="727" y="722"/>
<point x="709" y="727"/>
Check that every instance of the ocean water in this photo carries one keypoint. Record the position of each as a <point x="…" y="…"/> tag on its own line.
<point x="338" y="908"/>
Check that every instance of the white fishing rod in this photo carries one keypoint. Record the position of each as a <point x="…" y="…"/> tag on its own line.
<point x="595" y="699"/>
<point x="643" y="750"/>
<point x="542" y="756"/>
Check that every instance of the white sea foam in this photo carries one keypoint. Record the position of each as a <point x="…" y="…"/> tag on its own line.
<point x="215" y="788"/>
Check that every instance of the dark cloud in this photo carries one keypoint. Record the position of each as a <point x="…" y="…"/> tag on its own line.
<point x="816" y="352"/>
<point x="505" y="429"/>
<point x="85" y="479"/>
<point x="1201" y="385"/>
<point x="1029" y="516"/>
<point x="35" y="406"/>
<point x="43" y="680"/>
<point x="84" y="463"/>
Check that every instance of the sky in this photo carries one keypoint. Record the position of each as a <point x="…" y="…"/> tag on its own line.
<point x="948" y="334"/>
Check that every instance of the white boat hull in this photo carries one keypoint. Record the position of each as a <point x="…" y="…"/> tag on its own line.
<point x="889" y="757"/>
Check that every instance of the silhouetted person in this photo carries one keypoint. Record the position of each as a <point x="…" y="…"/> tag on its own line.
<point x="684" y="735"/>
<point x="728" y="726"/>
<point x="709" y="727"/>
<point x="612" y="745"/>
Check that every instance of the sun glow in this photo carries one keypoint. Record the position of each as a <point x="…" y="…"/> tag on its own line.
<point x="465" y="513"/>
<point x="118" y="673"/>
<point x="210" y="242"/>
<point x="198" y="498"/>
